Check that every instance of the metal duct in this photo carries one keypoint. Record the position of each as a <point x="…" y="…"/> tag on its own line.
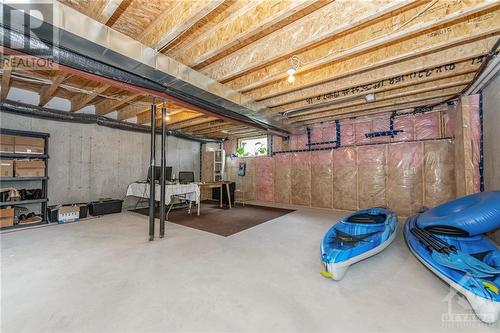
<point x="82" y="118"/>
<point x="81" y="39"/>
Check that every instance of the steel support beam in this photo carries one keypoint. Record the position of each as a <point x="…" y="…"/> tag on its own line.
<point x="153" y="176"/>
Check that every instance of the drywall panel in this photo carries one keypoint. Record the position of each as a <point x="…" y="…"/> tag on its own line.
<point x="283" y="178"/>
<point x="301" y="179"/>
<point x="88" y="162"/>
<point x="321" y="179"/>
<point x="345" y="179"/>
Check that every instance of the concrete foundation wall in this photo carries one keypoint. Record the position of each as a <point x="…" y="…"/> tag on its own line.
<point x="88" y="162"/>
<point x="491" y="136"/>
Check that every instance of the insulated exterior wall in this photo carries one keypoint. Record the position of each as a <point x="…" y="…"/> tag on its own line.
<point x="264" y="179"/>
<point x="301" y="179"/>
<point x="464" y="161"/>
<point x="321" y="179"/>
<point x="491" y="124"/>
<point x="439" y="174"/>
<point x="371" y="176"/>
<point x="405" y="176"/>
<point x="249" y="179"/>
<point x="283" y="178"/>
<point x="404" y="179"/>
<point x="426" y="126"/>
<point x="345" y="179"/>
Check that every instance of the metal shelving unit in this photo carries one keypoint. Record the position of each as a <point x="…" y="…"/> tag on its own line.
<point x="19" y="180"/>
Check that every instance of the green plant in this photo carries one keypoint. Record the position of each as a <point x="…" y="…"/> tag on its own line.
<point x="240" y="151"/>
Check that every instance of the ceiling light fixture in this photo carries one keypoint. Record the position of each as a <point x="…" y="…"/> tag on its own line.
<point x="370" y="97"/>
<point x="295" y="63"/>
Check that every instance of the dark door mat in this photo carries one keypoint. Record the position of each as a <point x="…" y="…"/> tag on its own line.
<point x="219" y="221"/>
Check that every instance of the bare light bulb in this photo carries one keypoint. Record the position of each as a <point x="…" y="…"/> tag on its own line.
<point x="291" y="71"/>
<point x="291" y="78"/>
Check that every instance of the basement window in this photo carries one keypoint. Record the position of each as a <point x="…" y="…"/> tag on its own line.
<point x="255" y="146"/>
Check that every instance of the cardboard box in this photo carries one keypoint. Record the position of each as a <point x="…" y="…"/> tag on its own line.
<point x="7" y="143"/>
<point x="29" y="168"/>
<point x="6" y="168"/>
<point x="68" y="214"/>
<point x="7" y="217"/>
<point x="29" y="145"/>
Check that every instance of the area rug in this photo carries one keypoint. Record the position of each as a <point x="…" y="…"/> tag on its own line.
<point x="223" y="222"/>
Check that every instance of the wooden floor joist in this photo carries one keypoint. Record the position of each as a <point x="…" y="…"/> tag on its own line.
<point x="378" y="50"/>
<point x="390" y="70"/>
<point x="407" y="53"/>
<point x="79" y="101"/>
<point x="47" y="92"/>
<point x="318" y="26"/>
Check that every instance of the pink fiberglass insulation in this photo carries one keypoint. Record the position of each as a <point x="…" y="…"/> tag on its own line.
<point x="321" y="179"/>
<point x="317" y="134"/>
<point x="298" y="141"/>
<point x="439" y="172"/>
<point x="427" y="126"/>
<point x="264" y="179"/>
<point x="329" y="133"/>
<point x="404" y="123"/>
<point x="249" y="178"/>
<point x="449" y="122"/>
<point x="230" y="146"/>
<point x="361" y="129"/>
<point x="345" y="174"/>
<point x="476" y="139"/>
<point x="277" y="143"/>
<point x="379" y="125"/>
<point x="301" y="178"/>
<point x="347" y="134"/>
<point x="404" y="180"/>
<point x="371" y="176"/>
<point x="283" y="178"/>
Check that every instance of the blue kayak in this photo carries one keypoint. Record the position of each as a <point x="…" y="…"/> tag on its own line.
<point x="358" y="236"/>
<point x="448" y="239"/>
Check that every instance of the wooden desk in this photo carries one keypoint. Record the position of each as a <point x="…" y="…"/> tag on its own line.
<point x="220" y="185"/>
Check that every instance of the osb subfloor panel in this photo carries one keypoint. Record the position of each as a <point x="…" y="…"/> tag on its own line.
<point x="103" y="275"/>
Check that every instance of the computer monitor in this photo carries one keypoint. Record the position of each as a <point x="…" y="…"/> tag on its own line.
<point x="168" y="173"/>
<point x="186" y="177"/>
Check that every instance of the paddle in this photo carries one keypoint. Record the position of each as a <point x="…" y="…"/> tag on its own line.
<point x="450" y="256"/>
<point x="445" y="260"/>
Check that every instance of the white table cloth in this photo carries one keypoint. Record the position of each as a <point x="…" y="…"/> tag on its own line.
<point x="190" y="191"/>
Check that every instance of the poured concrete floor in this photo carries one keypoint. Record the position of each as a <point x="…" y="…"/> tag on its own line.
<point x="103" y="275"/>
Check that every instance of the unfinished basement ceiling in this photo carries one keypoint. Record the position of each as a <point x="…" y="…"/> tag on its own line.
<point x="128" y="105"/>
<point x="407" y="53"/>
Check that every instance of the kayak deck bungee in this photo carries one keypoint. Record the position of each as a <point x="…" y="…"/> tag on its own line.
<point x="458" y="252"/>
<point x="358" y="236"/>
